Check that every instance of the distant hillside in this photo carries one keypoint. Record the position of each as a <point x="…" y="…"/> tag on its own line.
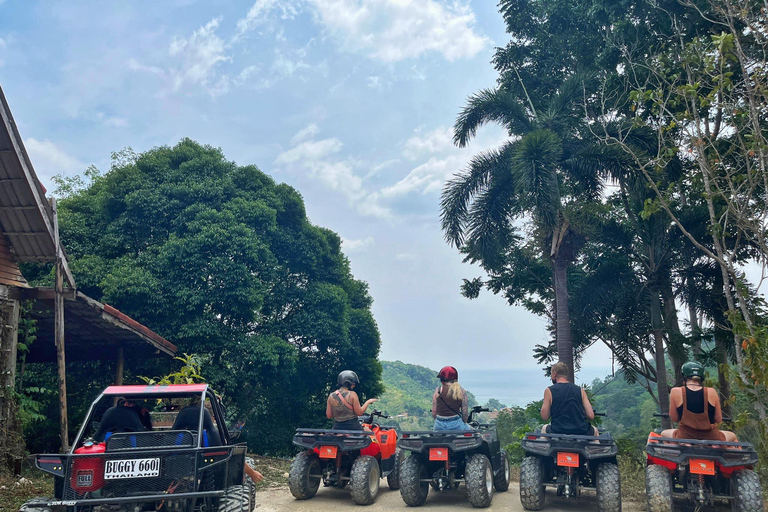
<point x="407" y="394"/>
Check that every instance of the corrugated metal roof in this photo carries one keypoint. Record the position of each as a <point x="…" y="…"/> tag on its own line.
<point x="26" y="217"/>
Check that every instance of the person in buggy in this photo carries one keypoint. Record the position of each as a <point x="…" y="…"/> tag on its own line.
<point x="343" y="405"/>
<point x="450" y="407"/>
<point x="696" y="409"/>
<point x="566" y="405"/>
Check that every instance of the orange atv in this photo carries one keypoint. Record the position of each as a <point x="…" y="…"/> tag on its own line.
<point x="341" y="457"/>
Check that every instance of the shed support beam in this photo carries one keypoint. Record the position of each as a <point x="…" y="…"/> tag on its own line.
<point x="58" y="315"/>
<point x="120" y="366"/>
<point x="11" y="441"/>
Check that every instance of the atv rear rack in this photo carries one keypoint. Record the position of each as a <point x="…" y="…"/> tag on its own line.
<point x="456" y="440"/>
<point x="591" y="447"/>
<point x="727" y="454"/>
<point x="346" y="440"/>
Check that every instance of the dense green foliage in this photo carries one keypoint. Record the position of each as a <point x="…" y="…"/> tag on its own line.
<point x="223" y="262"/>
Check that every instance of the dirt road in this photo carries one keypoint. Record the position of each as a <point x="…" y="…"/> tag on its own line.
<point x="334" y="500"/>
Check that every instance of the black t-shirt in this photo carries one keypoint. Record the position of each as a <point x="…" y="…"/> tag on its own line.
<point x="567" y="411"/>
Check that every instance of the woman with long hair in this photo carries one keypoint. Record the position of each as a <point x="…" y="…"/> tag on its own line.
<point x="450" y="407"/>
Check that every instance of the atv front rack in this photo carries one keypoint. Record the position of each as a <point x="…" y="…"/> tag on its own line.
<point x="591" y="447"/>
<point x="679" y="451"/>
<point x="345" y="440"/>
<point x="456" y="440"/>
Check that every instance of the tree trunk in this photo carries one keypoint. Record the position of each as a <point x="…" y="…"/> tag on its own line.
<point x="562" y="315"/>
<point x="676" y="345"/>
<point x="693" y="314"/>
<point x="661" y="367"/>
<point x="11" y="440"/>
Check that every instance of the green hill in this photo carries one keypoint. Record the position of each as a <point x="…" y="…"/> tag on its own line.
<point x="407" y="394"/>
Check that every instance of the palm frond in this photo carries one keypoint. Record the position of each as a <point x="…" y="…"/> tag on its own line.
<point x="534" y="165"/>
<point x="486" y="106"/>
<point x="460" y="190"/>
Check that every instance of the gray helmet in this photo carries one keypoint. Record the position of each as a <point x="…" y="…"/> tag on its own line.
<point x="347" y="378"/>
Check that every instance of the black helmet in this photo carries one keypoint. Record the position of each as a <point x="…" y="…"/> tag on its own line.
<point x="347" y="378"/>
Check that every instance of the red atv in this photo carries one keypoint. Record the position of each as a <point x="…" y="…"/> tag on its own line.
<point x="341" y="457"/>
<point x="701" y="472"/>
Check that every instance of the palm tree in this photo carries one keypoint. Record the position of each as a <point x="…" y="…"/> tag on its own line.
<point x="542" y="173"/>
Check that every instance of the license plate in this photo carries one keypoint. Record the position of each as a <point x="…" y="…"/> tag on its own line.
<point x="569" y="460"/>
<point x="328" y="452"/>
<point x="702" y="467"/>
<point x="438" y="454"/>
<point x="131" y="468"/>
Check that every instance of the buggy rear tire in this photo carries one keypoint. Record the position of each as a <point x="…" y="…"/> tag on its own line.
<point x="36" y="505"/>
<point x="235" y="499"/>
<point x="658" y="488"/>
<point x="305" y="475"/>
<point x="746" y="490"/>
<point x="478" y="476"/>
<point x="364" y="480"/>
<point x="413" y="490"/>
<point x="393" y="478"/>
<point x="608" y="487"/>
<point x="501" y="480"/>
<point x="532" y="483"/>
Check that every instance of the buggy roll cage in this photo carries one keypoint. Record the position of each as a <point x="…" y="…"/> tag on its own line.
<point x="161" y="391"/>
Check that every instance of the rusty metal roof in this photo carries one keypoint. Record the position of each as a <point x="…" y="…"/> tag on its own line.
<point x="93" y="331"/>
<point x="26" y="216"/>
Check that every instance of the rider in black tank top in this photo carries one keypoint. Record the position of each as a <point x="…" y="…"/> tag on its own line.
<point x="567" y="410"/>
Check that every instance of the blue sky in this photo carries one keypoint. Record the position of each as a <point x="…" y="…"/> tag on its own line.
<point x="349" y="101"/>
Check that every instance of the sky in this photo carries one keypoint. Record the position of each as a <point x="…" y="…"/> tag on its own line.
<point x="349" y="101"/>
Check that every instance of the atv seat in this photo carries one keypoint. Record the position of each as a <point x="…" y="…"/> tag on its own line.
<point x="189" y="419"/>
<point x="118" y="419"/>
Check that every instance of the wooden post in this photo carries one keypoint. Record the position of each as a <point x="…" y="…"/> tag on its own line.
<point x="11" y="442"/>
<point x="120" y="366"/>
<point x="58" y="308"/>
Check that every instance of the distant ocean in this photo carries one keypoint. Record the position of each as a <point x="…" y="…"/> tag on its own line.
<point x="517" y="386"/>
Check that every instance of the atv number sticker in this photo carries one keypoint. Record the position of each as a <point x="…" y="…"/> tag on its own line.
<point x="132" y="468"/>
<point x="569" y="460"/>
<point x="328" y="452"/>
<point x="438" y="454"/>
<point x="702" y="467"/>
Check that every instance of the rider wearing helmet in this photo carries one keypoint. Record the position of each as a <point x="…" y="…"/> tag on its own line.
<point x="449" y="402"/>
<point x="344" y="405"/>
<point x="696" y="408"/>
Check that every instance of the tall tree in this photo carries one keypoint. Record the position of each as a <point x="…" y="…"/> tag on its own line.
<point x="222" y="261"/>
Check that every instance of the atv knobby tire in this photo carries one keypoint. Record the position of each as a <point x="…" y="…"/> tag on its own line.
<point x="36" y="505"/>
<point x="747" y="494"/>
<point x="364" y="479"/>
<point x="235" y="499"/>
<point x="608" y="487"/>
<point x="501" y="480"/>
<point x="413" y="491"/>
<point x="393" y="478"/>
<point x="478" y="476"/>
<point x="305" y="475"/>
<point x="658" y="488"/>
<point x="532" y="483"/>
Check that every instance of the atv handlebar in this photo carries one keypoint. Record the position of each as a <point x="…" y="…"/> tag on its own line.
<point x="661" y="415"/>
<point x="601" y="414"/>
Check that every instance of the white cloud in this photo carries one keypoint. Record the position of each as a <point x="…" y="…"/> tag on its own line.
<point x="258" y="14"/>
<point x="395" y="30"/>
<point x="374" y="82"/>
<point x="323" y="161"/>
<point x="405" y="256"/>
<point x="437" y="141"/>
<point x="356" y="245"/>
<point x="308" y="132"/>
<point x="198" y="56"/>
<point x="48" y="159"/>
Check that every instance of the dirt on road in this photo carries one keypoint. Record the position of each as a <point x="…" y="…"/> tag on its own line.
<point x="334" y="500"/>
